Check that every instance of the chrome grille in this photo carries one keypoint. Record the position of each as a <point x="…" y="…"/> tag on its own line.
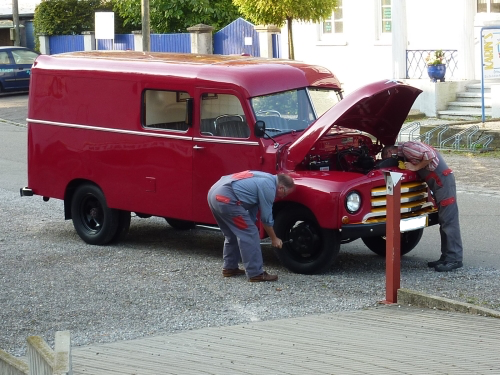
<point x="414" y="202"/>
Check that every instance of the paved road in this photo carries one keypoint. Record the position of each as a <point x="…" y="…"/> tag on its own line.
<point x="478" y="184"/>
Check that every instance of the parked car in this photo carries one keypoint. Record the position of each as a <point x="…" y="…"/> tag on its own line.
<point x="15" y="68"/>
<point x="115" y="132"/>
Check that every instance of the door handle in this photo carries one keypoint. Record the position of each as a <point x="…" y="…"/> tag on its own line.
<point x="196" y="147"/>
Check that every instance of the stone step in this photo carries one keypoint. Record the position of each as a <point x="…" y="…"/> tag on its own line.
<point x="464" y="115"/>
<point x="468" y="105"/>
<point x="472" y="95"/>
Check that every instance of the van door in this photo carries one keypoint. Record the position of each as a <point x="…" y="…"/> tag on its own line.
<point x="222" y="144"/>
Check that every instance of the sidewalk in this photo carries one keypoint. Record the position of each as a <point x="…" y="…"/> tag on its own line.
<point x="390" y="339"/>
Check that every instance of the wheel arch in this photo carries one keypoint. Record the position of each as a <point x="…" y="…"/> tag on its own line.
<point x="70" y="191"/>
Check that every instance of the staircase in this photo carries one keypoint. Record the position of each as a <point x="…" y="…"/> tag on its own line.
<point x="467" y="106"/>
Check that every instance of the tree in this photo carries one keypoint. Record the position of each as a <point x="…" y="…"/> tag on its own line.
<point x="170" y="16"/>
<point x="272" y="12"/>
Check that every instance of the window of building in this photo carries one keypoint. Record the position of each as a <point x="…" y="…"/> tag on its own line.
<point x="386" y="16"/>
<point x="332" y="28"/>
<point x="166" y="110"/>
<point x="383" y="22"/>
<point x="488" y="6"/>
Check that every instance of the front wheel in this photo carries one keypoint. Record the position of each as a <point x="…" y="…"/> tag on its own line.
<point x="308" y="248"/>
<point x="94" y="221"/>
<point x="408" y="241"/>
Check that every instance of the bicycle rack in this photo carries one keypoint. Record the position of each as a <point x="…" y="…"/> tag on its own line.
<point x="409" y="130"/>
<point x="426" y="137"/>
<point x="457" y="139"/>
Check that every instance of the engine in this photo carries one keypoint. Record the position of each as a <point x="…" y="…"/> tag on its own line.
<point x="353" y="152"/>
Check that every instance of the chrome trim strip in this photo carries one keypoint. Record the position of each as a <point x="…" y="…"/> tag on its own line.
<point x="218" y="140"/>
<point x="403" y="211"/>
<point x="109" y="130"/>
<point x="403" y="200"/>
<point x="403" y="190"/>
<point x="154" y="133"/>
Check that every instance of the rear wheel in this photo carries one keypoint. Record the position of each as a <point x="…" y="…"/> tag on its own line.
<point x="308" y="248"/>
<point x="93" y="220"/>
<point x="408" y="242"/>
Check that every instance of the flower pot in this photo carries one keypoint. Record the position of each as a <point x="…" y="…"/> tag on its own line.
<point x="436" y="72"/>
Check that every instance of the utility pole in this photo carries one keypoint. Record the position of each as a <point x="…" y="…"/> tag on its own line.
<point x="15" y="20"/>
<point x="146" y="29"/>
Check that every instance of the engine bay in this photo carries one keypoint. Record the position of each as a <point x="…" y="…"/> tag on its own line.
<point x="347" y="152"/>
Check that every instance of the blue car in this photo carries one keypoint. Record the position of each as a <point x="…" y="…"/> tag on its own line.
<point x="15" y="68"/>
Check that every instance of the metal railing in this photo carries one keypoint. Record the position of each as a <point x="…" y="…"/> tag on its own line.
<point x="416" y="67"/>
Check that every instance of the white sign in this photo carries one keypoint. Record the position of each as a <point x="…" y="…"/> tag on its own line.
<point x="248" y="41"/>
<point x="491" y="53"/>
<point x="104" y="25"/>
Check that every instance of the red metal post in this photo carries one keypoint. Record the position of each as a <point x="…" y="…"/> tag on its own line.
<point x="393" y="236"/>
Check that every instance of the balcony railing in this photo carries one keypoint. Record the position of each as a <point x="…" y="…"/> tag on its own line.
<point x="416" y="68"/>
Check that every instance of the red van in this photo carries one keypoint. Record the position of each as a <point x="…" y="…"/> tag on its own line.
<point x="115" y="132"/>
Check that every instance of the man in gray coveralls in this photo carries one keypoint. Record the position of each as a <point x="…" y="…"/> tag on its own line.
<point x="235" y="201"/>
<point x="431" y="167"/>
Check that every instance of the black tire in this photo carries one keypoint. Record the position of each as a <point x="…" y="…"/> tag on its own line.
<point x="93" y="220"/>
<point x="123" y="226"/>
<point x="408" y="242"/>
<point x="180" y="224"/>
<point x="310" y="249"/>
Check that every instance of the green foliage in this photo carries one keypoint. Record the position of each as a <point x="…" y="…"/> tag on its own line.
<point x="167" y="16"/>
<point x="272" y="12"/>
<point x="66" y="17"/>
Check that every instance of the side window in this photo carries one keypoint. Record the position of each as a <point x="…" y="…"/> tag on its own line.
<point x="4" y="58"/>
<point x="165" y="110"/>
<point x="488" y="6"/>
<point x="222" y="116"/>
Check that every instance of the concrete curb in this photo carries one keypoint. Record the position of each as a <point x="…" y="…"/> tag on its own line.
<point x="413" y="298"/>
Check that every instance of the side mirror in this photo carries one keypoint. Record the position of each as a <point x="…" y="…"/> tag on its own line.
<point x="189" y="111"/>
<point x="259" y="128"/>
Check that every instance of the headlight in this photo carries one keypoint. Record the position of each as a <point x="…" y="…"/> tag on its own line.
<point x="353" y="202"/>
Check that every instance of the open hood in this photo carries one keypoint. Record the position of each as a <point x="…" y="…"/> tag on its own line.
<point x="378" y="109"/>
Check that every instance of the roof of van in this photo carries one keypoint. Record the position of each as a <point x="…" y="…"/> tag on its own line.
<point x="258" y="75"/>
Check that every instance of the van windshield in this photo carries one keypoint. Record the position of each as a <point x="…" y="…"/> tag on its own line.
<point x="293" y="110"/>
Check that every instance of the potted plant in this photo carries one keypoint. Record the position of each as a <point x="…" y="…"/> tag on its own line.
<point x="436" y="65"/>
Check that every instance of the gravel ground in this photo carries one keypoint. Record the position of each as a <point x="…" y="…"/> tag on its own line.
<point x="160" y="281"/>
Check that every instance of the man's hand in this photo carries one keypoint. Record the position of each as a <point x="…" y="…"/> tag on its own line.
<point x="276" y="242"/>
<point x="410" y="166"/>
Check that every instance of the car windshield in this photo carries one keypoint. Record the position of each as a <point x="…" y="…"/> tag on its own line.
<point x="293" y="110"/>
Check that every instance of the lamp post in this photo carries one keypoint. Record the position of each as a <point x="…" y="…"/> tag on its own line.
<point x="15" y="20"/>
<point x="145" y="25"/>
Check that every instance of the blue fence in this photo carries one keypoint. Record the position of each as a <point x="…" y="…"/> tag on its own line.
<point x="66" y="43"/>
<point x="180" y="43"/>
<point x="235" y="38"/>
<point x="239" y="37"/>
<point x="123" y="42"/>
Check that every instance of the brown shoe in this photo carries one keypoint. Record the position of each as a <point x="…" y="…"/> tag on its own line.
<point x="264" y="276"/>
<point x="232" y="272"/>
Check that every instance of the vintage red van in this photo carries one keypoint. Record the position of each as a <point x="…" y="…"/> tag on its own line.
<point x="115" y="132"/>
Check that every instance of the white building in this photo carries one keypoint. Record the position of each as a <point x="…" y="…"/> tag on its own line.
<point x="368" y="40"/>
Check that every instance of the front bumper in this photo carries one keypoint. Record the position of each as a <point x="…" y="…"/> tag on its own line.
<point x="353" y="231"/>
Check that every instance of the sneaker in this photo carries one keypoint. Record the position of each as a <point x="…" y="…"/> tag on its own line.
<point x="448" y="266"/>
<point x="232" y="272"/>
<point x="436" y="262"/>
<point x="264" y="276"/>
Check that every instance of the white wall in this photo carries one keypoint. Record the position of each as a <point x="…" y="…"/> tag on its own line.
<point x="360" y="57"/>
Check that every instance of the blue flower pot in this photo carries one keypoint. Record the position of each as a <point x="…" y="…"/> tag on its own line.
<point x="436" y="72"/>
